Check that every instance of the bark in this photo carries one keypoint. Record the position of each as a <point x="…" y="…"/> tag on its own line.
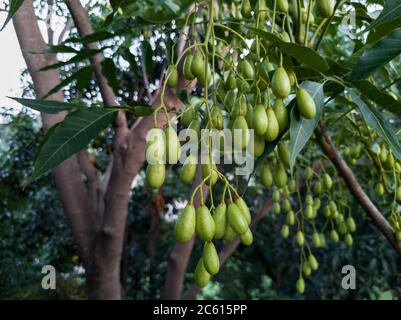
<point x="353" y="185"/>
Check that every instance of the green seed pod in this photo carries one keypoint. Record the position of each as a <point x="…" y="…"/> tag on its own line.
<point x="313" y="262"/>
<point x="241" y="204"/>
<point x="342" y="228"/>
<point x="260" y="121"/>
<point x="188" y="170"/>
<point x="173" y="147"/>
<point x="198" y="64"/>
<point x="220" y="220"/>
<point x="229" y="100"/>
<point x="281" y="114"/>
<point x="285" y="231"/>
<point x="308" y="173"/>
<point x="281" y="85"/>
<point x="204" y="227"/>
<point x="300" y="238"/>
<point x="318" y="188"/>
<point x="266" y="176"/>
<point x="398" y="194"/>
<point x="172" y="76"/>
<point x="300" y="286"/>
<point x="351" y="225"/>
<point x="231" y="82"/>
<point x="185" y="227"/>
<point x="379" y="189"/>
<point x="348" y="240"/>
<point x="309" y="214"/>
<point x="236" y="219"/>
<point x="280" y="176"/>
<point x="217" y="118"/>
<point x="210" y="258"/>
<point x="316" y="240"/>
<point x="287" y="205"/>
<point x="241" y="125"/>
<point x="283" y="153"/>
<point x="306" y="269"/>
<point x="334" y="236"/>
<point x="202" y="277"/>
<point x="187" y="116"/>
<point x="282" y="6"/>
<point x="230" y="234"/>
<point x="309" y="199"/>
<point x="246" y="9"/>
<point x="209" y="172"/>
<point x="276" y="196"/>
<point x="292" y="185"/>
<point x="276" y="208"/>
<point x="325" y="8"/>
<point x="247" y="237"/>
<point x="187" y="67"/>
<point x="259" y="145"/>
<point x="322" y="240"/>
<point x="290" y="219"/>
<point x="247" y="70"/>
<point x="327" y="182"/>
<point x="306" y="104"/>
<point x="240" y="107"/>
<point x="155" y="175"/>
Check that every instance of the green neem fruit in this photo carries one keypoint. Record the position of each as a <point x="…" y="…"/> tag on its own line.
<point x="247" y="237"/>
<point x="260" y="119"/>
<point x="300" y="238"/>
<point x="313" y="262"/>
<point x="309" y="199"/>
<point x="325" y="8"/>
<point x="198" y="64"/>
<point x="280" y="176"/>
<point x="247" y="70"/>
<point x="292" y="185"/>
<point x="155" y="145"/>
<point x="308" y="173"/>
<point x="305" y="17"/>
<point x="221" y="91"/>
<point x="281" y="85"/>
<point x="209" y="173"/>
<point x="244" y="209"/>
<point x="351" y="225"/>
<point x="332" y="206"/>
<point x="306" y="104"/>
<point x="155" y="175"/>
<point x="300" y="286"/>
<point x="258" y="145"/>
<point x="217" y="118"/>
<point x="220" y="219"/>
<point x="262" y="11"/>
<point x="246" y="9"/>
<point x="185" y="227"/>
<point x="317" y="203"/>
<point x="240" y="126"/>
<point x="205" y="78"/>
<point x="334" y="236"/>
<point x="276" y="196"/>
<point x="229" y="100"/>
<point x="306" y="269"/>
<point x="379" y="189"/>
<point x="309" y="214"/>
<point x="202" y="277"/>
<point x="231" y="82"/>
<point x="342" y="228"/>
<point x="187" y="67"/>
<point x="292" y="76"/>
<point x="281" y="114"/>
<point x="204" y="227"/>
<point x="172" y="76"/>
<point x="230" y="234"/>
<point x="348" y="240"/>
<point x="188" y="170"/>
<point x="327" y="182"/>
<point x="290" y="219"/>
<point x="287" y="205"/>
<point x="266" y="176"/>
<point x="285" y="37"/>
<point x="318" y="187"/>
<point x="210" y="258"/>
<point x="398" y="235"/>
<point x="240" y="107"/>
<point x="196" y="126"/>
<point x="282" y="6"/>
<point x="322" y="240"/>
<point x="327" y="211"/>
<point x="276" y="208"/>
<point x="236" y="219"/>
<point x="187" y="116"/>
<point x="173" y="147"/>
<point x="249" y="115"/>
<point x="383" y="154"/>
<point x="398" y="193"/>
<point x="285" y="231"/>
<point x="272" y="126"/>
<point x="316" y="240"/>
<point x="283" y="153"/>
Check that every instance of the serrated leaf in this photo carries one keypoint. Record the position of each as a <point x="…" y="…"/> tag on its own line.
<point x="302" y="129"/>
<point x="377" y="122"/>
<point x="70" y="136"/>
<point x="377" y="55"/>
<point x="13" y="8"/>
<point x="46" y="106"/>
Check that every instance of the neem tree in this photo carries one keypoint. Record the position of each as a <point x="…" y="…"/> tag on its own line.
<point x="322" y="102"/>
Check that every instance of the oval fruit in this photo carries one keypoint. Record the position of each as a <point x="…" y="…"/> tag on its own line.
<point x="185" y="227"/>
<point x="334" y="236"/>
<point x="272" y="126"/>
<point x="300" y="238"/>
<point x="281" y="114"/>
<point x="258" y="145"/>
<point x="187" y="116"/>
<point x="187" y="67"/>
<point x="247" y="70"/>
<point x="217" y="118"/>
<point x="231" y="82"/>
<point x="209" y="172"/>
<point x="210" y="258"/>
<point x="236" y="219"/>
<point x="379" y="189"/>
<point x="325" y="8"/>
<point x="202" y="277"/>
<point x="155" y="146"/>
<point x="246" y="9"/>
<point x="173" y="147"/>
<point x="260" y="121"/>
<point x="188" y="170"/>
<point x="229" y="100"/>
<point x="247" y="237"/>
<point x="306" y="104"/>
<point x="290" y="219"/>
<point x="283" y="153"/>
<point x="276" y="208"/>
<point x="198" y="64"/>
<point x="316" y="240"/>
<point x="280" y="176"/>
<point x="240" y="133"/>
<point x="204" y="226"/>
<point x="220" y="219"/>
<point x="155" y="175"/>
<point x="281" y="85"/>
<point x="351" y="225"/>
<point x="244" y="209"/>
<point x="172" y="76"/>
<point x="285" y="231"/>
<point x="300" y="285"/>
<point x="239" y="107"/>
<point x="313" y="262"/>
<point x="266" y="176"/>
<point x="230" y="234"/>
<point x="306" y="269"/>
<point x="348" y="240"/>
<point x="282" y="6"/>
<point x="327" y="181"/>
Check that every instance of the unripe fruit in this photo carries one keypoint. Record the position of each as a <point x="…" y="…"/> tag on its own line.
<point x="217" y="118"/>
<point x="334" y="236"/>
<point x="342" y="228"/>
<point x="236" y="219"/>
<point x="230" y="234"/>
<point x="282" y="6"/>
<point x="327" y="182"/>
<point x="259" y="145"/>
<point x="333" y="207"/>
<point x="272" y="126"/>
<point x="241" y="133"/>
<point x="198" y="64"/>
<point x="276" y="196"/>
<point x="276" y="208"/>
<point x="292" y="185"/>
<point x="241" y="204"/>
<point x="325" y="8"/>
<point x="306" y="269"/>
<point x="283" y="153"/>
<point x="246" y="9"/>
<point x="398" y="235"/>
<point x="262" y="11"/>
<point x="260" y="121"/>
<point x="209" y="173"/>
<point x="187" y="116"/>
<point x="351" y="226"/>
<point x="188" y="170"/>
<point x="306" y="104"/>
<point x="318" y="188"/>
<point x="300" y="285"/>
<point x="398" y="194"/>
<point x="155" y="146"/>
<point x="247" y="237"/>
<point x="327" y="211"/>
<point x="317" y="203"/>
<point x="285" y="37"/>
<point x="281" y="85"/>
<point x="309" y="199"/>
<point x="210" y="258"/>
<point x="249" y="115"/>
<point x="308" y="174"/>
<point x="287" y="205"/>
<point x="316" y="240"/>
<point x="285" y="231"/>
<point x="204" y="227"/>
<point x="187" y="67"/>
<point x="266" y="176"/>
<point x="309" y="214"/>
<point x="281" y="114"/>
<point x="247" y="70"/>
<point x="313" y="262"/>
<point x="231" y="82"/>
<point x="290" y="219"/>
<point x="280" y="176"/>
<point x="348" y="240"/>
<point x="185" y="227"/>
<point x="172" y="76"/>
<point x="229" y="100"/>
<point x="322" y="240"/>
<point x="379" y="189"/>
<point x="305" y="17"/>
<point x="220" y="219"/>
<point x="300" y="238"/>
<point x="173" y="147"/>
<point x="155" y="175"/>
<point x="205" y="78"/>
<point x="202" y="277"/>
<point x="240" y="108"/>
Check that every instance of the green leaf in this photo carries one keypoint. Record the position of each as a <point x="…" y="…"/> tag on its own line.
<point x="110" y="72"/>
<point x="70" y="136"/>
<point x="140" y="109"/>
<point x="384" y="29"/>
<point x="378" y="96"/>
<point x="13" y="8"/>
<point x="46" y="106"/>
<point x="97" y="36"/>
<point x="81" y="56"/>
<point x="391" y="11"/>
<point x="304" y="55"/>
<point x="61" y="49"/>
<point x="302" y="129"/>
<point x="377" y="55"/>
<point x="147" y="54"/>
<point x="377" y="122"/>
